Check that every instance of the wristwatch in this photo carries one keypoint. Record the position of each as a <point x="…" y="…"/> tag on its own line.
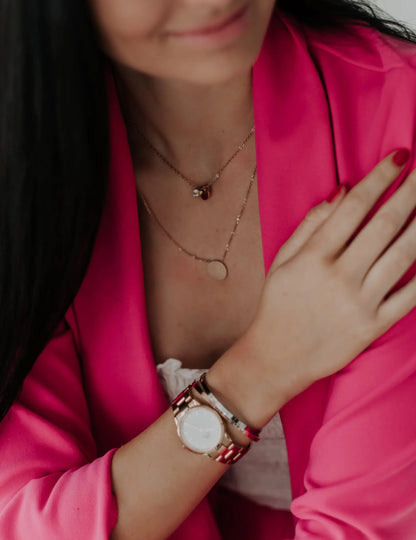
<point x="202" y="430"/>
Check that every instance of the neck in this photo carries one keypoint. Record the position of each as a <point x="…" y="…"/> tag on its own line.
<point x="196" y="127"/>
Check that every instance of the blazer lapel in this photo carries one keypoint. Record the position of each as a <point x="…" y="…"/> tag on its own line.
<point x="296" y="171"/>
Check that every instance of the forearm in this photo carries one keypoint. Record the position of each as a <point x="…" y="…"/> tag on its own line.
<point x="157" y="482"/>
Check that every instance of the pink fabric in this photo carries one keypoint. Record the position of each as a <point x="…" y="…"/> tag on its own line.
<point x="351" y="438"/>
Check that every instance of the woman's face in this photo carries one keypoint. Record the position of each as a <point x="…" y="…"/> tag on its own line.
<point x="199" y="41"/>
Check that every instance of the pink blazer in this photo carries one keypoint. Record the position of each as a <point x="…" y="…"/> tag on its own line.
<point x="325" y="107"/>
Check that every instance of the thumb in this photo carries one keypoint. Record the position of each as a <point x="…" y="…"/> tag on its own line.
<point x="311" y="222"/>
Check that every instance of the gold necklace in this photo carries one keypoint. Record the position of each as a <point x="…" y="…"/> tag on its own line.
<point x="217" y="269"/>
<point x="203" y="192"/>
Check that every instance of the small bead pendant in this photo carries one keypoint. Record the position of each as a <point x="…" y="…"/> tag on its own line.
<point x="204" y="192"/>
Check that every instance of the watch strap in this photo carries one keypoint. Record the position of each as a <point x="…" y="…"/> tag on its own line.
<point x="229" y="452"/>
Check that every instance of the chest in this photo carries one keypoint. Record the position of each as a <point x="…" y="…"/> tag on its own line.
<point x="192" y="316"/>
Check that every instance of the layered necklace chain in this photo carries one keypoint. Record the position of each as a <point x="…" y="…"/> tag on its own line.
<point x="216" y="268"/>
<point x="204" y="191"/>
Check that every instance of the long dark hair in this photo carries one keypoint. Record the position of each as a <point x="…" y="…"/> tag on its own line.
<point x="54" y="149"/>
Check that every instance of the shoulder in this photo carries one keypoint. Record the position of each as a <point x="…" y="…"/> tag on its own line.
<point x="358" y="65"/>
<point x="362" y="47"/>
<point x="370" y="79"/>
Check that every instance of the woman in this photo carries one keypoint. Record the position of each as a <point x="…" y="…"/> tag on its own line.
<point x="308" y="320"/>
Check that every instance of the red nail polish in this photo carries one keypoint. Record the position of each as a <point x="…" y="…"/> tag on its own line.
<point x="335" y="194"/>
<point x="401" y="157"/>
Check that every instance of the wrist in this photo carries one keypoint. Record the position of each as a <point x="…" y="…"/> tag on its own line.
<point x="237" y="436"/>
<point x="241" y="383"/>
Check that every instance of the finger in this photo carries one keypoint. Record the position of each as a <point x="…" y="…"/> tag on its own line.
<point x="397" y="305"/>
<point x="342" y="224"/>
<point x="381" y="230"/>
<point x="392" y="265"/>
<point x="312" y="221"/>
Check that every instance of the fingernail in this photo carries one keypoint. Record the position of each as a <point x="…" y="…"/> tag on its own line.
<point x="336" y="193"/>
<point x="401" y="157"/>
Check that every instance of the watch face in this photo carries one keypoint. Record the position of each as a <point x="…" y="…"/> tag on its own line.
<point x="201" y="429"/>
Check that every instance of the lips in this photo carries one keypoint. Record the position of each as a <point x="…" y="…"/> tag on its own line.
<point x="213" y="28"/>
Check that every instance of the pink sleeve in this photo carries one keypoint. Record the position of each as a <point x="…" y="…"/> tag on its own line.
<point x="52" y="483"/>
<point x="361" y="478"/>
<point x="360" y="482"/>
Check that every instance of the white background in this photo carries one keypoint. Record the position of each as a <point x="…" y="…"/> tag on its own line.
<point x="403" y="10"/>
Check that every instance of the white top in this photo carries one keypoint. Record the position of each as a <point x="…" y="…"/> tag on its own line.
<point x="262" y="475"/>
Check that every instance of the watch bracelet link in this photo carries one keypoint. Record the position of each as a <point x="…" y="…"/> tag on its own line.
<point x="202" y="388"/>
<point x="229" y="453"/>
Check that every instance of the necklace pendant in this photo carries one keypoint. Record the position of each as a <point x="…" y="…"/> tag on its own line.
<point x="203" y="192"/>
<point x="206" y="192"/>
<point x="217" y="270"/>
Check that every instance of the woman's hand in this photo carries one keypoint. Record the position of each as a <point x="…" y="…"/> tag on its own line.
<point x="325" y="296"/>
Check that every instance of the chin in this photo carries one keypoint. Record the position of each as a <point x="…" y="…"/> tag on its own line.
<point x="212" y="68"/>
<point x="217" y="73"/>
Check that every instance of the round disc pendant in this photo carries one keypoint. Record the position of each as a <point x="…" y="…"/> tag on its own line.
<point x="217" y="270"/>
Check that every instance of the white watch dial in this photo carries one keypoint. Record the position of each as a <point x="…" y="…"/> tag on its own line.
<point x="201" y="429"/>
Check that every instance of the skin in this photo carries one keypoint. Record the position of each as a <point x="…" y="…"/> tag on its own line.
<point x="173" y="90"/>
<point x="176" y="90"/>
<point x="176" y="87"/>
